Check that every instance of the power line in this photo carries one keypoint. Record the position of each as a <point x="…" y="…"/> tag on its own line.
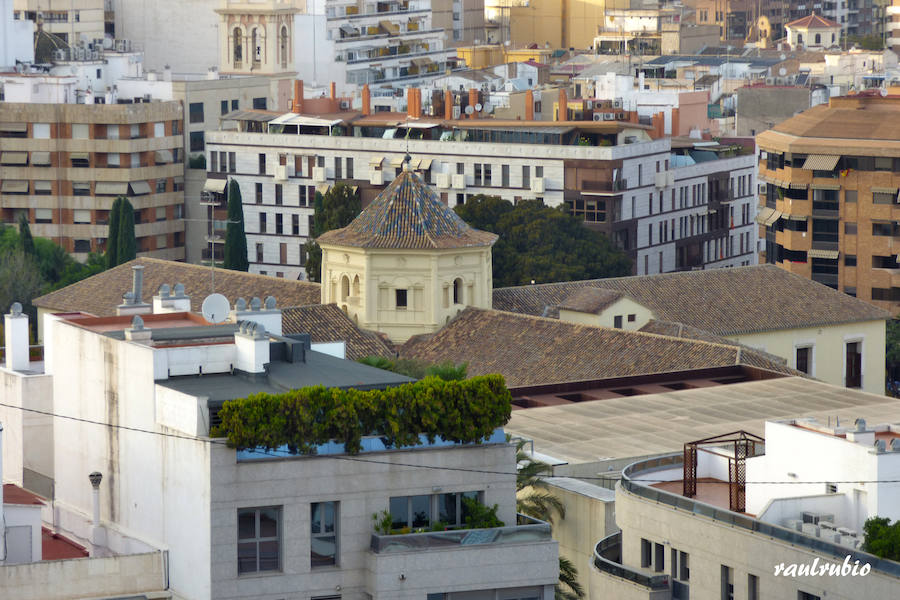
<point x="412" y="465"/>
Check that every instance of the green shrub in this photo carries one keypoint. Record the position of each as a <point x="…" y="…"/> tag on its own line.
<point x="458" y="411"/>
<point x="479" y="516"/>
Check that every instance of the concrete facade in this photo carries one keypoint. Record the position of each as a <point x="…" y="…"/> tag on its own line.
<point x="761" y="107"/>
<point x="71" y="20"/>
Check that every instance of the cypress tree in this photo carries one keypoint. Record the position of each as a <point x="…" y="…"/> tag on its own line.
<point x="112" y="238"/>
<point x="126" y="243"/>
<point x="25" y="239"/>
<point x="235" y="236"/>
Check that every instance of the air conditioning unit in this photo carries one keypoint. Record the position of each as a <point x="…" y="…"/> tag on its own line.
<point x="537" y="185"/>
<point x="588" y="105"/>
<point x="817" y="518"/>
<point x="281" y="173"/>
<point x="443" y="180"/>
<point x="763" y="188"/>
<point x="61" y="54"/>
<point x="609" y="117"/>
<point x="318" y="174"/>
<point x="598" y="116"/>
<point x="621" y="116"/>
<point x="617" y="103"/>
<point x="459" y="181"/>
<point x="376" y="177"/>
<point x="345" y="105"/>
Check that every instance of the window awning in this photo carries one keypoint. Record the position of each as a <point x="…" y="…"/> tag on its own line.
<point x="829" y="254"/>
<point x="820" y="162"/>
<point x="414" y="164"/>
<point x="13" y="158"/>
<point x="110" y="188"/>
<point x="825" y="186"/>
<point x="767" y="216"/>
<point x="323" y="188"/>
<point x="215" y="185"/>
<point x="425" y="164"/>
<point x="421" y="62"/>
<point x="163" y="156"/>
<point x="349" y="29"/>
<point x="14" y="127"/>
<point x="43" y="186"/>
<point x="303" y="121"/>
<point x="878" y="190"/>
<point x="389" y="27"/>
<point x="794" y="217"/>
<point x="40" y="158"/>
<point x="139" y="188"/>
<point x="397" y="162"/>
<point x="799" y="186"/>
<point x="79" y="156"/>
<point x="13" y="186"/>
<point x="376" y="161"/>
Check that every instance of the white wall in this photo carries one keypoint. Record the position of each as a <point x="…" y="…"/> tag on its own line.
<point x="16" y="37"/>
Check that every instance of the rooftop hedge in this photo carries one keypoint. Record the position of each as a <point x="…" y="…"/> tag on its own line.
<point x="460" y="411"/>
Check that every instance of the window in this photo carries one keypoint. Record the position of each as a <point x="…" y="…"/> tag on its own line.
<point x="632" y="318"/>
<point x="803" y="362"/>
<point x="282" y="255"/>
<point x="883" y="197"/>
<point x="884" y="229"/>
<point x="224" y="107"/>
<point x="853" y="363"/>
<point x="646" y="549"/>
<point x="80" y="131"/>
<point x="850" y="228"/>
<point x="160" y="213"/>
<point x="807" y="596"/>
<point x="278" y="194"/>
<point x="161" y="241"/>
<point x="539" y="171"/>
<point x="259" y="253"/>
<point x="41" y="131"/>
<point x="262" y="222"/>
<point x="850" y="195"/>
<point x="232" y="168"/>
<point x="504" y="175"/>
<point x="81" y="189"/>
<point x="259" y="104"/>
<point x="478" y="174"/>
<point x="259" y="539"/>
<point x="849" y="260"/>
<point x="487" y="174"/>
<point x="195" y="110"/>
<point x="526" y="179"/>
<point x="349" y="168"/>
<point x="81" y="216"/>
<point x="135" y="131"/>
<point x="258" y="192"/>
<point x="234" y="105"/>
<point x="262" y="164"/>
<point x="295" y="224"/>
<point x="685" y="571"/>
<point x="727" y="574"/>
<point x="338" y="172"/>
<point x="753" y="585"/>
<point x="279" y="223"/>
<point x="411" y="512"/>
<point x="82" y="246"/>
<point x="80" y="159"/>
<point x="302" y="255"/>
<point x="617" y="321"/>
<point x="160" y="186"/>
<point x="197" y="144"/>
<point x="659" y="559"/>
<point x="400" y="297"/>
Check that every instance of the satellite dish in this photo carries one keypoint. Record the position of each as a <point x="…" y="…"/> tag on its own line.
<point x="782" y="71"/>
<point x="782" y="56"/>
<point x="215" y="308"/>
<point x="478" y="106"/>
<point x="470" y="109"/>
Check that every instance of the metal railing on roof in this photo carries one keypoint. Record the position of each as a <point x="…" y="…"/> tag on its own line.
<point x="727" y="517"/>
<point x="529" y="531"/>
<point x="608" y="558"/>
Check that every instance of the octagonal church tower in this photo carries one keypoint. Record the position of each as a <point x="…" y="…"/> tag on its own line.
<point x="407" y="264"/>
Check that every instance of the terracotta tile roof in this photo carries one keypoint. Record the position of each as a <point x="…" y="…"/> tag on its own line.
<point x="591" y="300"/>
<point x="812" y="21"/>
<point x="328" y="323"/>
<point x="102" y="293"/>
<point x="13" y="494"/>
<point x="533" y="350"/>
<point x="57" y="547"/>
<point x="853" y="118"/>
<point x="408" y="214"/>
<point x="720" y="301"/>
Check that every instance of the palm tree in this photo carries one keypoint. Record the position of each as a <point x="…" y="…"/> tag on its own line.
<point x="539" y="503"/>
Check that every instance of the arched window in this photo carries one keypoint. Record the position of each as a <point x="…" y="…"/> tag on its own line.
<point x="345" y="288"/>
<point x="237" y="43"/>
<point x="799" y="38"/>
<point x="832" y="38"/>
<point x="255" y="45"/>
<point x="356" y="286"/>
<point x="283" y="46"/>
<point x="457" y="291"/>
<point x="818" y="38"/>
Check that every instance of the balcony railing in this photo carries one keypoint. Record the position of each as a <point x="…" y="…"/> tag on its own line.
<point x="530" y="531"/>
<point x="734" y="519"/>
<point x="608" y="558"/>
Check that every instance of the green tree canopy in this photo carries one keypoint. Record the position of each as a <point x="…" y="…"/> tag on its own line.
<point x="112" y="237"/>
<point x="882" y="538"/>
<point x="127" y="244"/>
<point x="235" y="234"/>
<point x="542" y="244"/>
<point x="336" y="209"/>
<point x="25" y="239"/>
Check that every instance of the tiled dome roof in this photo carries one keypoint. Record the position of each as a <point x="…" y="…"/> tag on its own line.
<point x="407" y="214"/>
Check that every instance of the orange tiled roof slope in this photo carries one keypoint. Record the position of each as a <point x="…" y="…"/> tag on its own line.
<point x="102" y="293"/>
<point x="529" y="350"/>
<point x="812" y="21"/>
<point x="720" y="301"/>
<point x="408" y="214"/>
<point x="845" y="118"/>
<point x="328" y="323"/>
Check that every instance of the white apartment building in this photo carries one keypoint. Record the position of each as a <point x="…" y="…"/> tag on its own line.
<point x="145" y="388"/>
<point x="16" y="37"/>
<point x="698" y="523"/>
<point x="669" y="209"/>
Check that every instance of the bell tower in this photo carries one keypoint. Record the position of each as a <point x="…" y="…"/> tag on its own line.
<point x="256" y="37"/>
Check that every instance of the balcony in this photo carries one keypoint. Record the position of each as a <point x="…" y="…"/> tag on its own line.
<point x="522" y="555"/>
<point x="608" y="561"/>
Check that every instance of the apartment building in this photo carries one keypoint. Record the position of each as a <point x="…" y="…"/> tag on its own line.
<point x="892" y="25"/>
<point x="692" y="526"/>
<point x="69" y="20"/>
<point x="828" y="196"/>
<point x="63" y="165"/>
<point x="255" y="523"/>
<point x="461" y="20"/>
<point x="670" y="205"/>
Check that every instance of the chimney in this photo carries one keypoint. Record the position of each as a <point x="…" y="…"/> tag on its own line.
<point x="16" y="330"/>
<point x="333" y="91"/>
<point x="366" y="100"/>
<point x="448" y="104"/>
<point x="473" y="100"/>
<point x="98" y="533"/>
<point x="167" y="301"/>
<point x="529" y="105"/>
<point x="252" y="345"/>
<point x="137" y="282"/>
<point x="298" y="96"/>
<point x="563" y="112"/>
<point x="132" y="303"/>
<point x="267" y="314"/>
